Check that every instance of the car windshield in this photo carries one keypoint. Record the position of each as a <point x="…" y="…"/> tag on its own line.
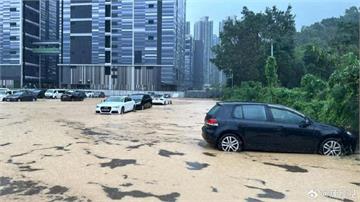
<point x="3" y="91"/>
<point x="50" y="91"/>
<point x="159" y="96"/>
<point x="137" y="97"/>
<point x="18" y="93"/>
<point x="115" y="99"/>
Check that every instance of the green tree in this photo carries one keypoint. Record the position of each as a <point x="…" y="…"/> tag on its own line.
<point x="346" y="38"/>
<point x="318" y="62"/>
<point x="239" y="51"/>
<point x="280" y="27"/>
<point x="343" y="108"/>
<point x="271" y="72"/>
<point x="244" y="45"/>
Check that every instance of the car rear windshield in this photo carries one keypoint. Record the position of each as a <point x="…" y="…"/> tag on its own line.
<point x="214" y="110"/>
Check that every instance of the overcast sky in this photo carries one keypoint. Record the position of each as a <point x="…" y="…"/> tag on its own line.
<point x="307" y="11"/>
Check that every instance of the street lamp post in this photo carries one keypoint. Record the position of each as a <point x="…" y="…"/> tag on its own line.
<point x="268" y="40"/>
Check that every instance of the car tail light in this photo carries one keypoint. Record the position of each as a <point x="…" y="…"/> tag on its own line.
<point x="212" y="122"/>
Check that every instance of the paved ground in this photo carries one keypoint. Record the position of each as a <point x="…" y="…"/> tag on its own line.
<point x="54" y="151"/>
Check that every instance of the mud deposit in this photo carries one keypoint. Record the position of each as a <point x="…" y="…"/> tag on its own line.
<point x="63" y="151"/>
<point x="114" y="163"/>
<point x="115" y="193"/>
<point x="289" y="168"/>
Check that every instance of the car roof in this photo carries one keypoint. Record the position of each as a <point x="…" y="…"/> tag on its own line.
<point x="139" y="94"/>
<point x="240" y="103"/>
<point x="119" y="96"/>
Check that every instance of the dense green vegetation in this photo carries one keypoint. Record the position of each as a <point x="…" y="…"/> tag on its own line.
<point x="315" y="71"/>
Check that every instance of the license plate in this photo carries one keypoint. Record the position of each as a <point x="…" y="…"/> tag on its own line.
<point x="106" y="109"/>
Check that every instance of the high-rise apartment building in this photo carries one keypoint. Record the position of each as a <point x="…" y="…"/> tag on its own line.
<point x="217" y="77"/>
<point x="29" y="43"/>
<point x="123" y="44"/>
<point x="203" y="31"/>
<point x="198" y="66"/>
<point x="189" y="59"/>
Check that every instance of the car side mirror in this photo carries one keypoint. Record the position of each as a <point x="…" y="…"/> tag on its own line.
<point x="305" y="123"/>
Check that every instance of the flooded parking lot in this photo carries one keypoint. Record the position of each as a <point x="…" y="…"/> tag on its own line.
<point x="63" y="151"/>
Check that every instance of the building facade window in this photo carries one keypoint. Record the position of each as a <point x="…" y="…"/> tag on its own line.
<point x="107" y="25"/>
<point x="81" y="27"/>
<point x="138" y="57"/>
<point x="107" y="11"/>
<point x="107" y="42"/>
<point x="81" y="11"/>
<point x="107" y="57"/>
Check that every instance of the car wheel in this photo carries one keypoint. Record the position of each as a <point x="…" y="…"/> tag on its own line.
<point x="331" y="147"/>
<point x="34" y="99"/>
<point x="122" y="110"/>
<point x="18" y="100"/>
<point x="134" y="108"/>
<point x="142" y="107"/>
<point x="230" y="143"/>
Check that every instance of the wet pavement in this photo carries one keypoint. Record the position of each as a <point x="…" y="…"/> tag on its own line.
<point x="61" y="151"/>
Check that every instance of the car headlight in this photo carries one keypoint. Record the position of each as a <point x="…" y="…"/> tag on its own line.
<point x="349" y="133"/>
<point x="97" y="107"/>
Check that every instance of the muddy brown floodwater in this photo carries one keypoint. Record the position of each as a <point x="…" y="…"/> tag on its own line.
<point x="62" y="151"/>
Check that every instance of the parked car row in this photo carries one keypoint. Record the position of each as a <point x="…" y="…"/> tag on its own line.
<point x="57" y="93"/>
<point x="123" y="104"/>
<point x="34" y="94"/>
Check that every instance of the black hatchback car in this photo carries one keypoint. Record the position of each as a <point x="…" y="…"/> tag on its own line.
<point x="237" y="126"/>
<point x="142" y="101"/>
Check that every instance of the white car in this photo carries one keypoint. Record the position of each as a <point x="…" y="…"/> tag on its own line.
<point x="54" y="93"/>
<point x="116" y="105"/>
<point x="161" y="99"/>
<point x="89" y="94"/>
<point x="3" y="93"/>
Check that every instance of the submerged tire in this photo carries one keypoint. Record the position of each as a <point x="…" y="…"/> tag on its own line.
<point x="230" y="143"/>
<point x="332" y="147"/>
